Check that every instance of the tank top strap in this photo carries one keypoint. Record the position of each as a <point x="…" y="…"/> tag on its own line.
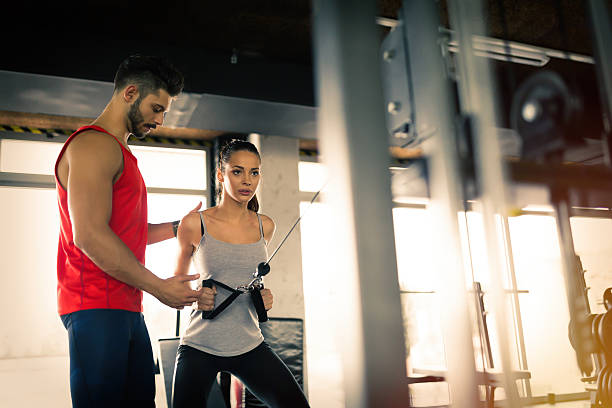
<point x="202" y="224"/>
<point x="261" y="234"/>
<point x="101" y="129"/>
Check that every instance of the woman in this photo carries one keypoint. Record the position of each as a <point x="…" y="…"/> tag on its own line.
<point x="226" y="243"/>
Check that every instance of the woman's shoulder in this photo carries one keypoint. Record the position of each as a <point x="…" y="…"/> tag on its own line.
<point x="192" y="219"/>
<point x="265" y="219"/>
<point x="268" y="226"/>
<point x="209" y="212"/>
<point x="189" y="228"/>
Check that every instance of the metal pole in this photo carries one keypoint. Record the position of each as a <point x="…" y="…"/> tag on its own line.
<point x="477" y="100"/>
<point x="576" y="297"/>
<point x="354" y="147"/>
<point x="601" y="33"/>
<point x="434" y="109"/>
<point x="516" y="306"/>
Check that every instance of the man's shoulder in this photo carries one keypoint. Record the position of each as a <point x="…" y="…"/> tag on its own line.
<point x="93" y="135"/>
<point x="95" y="143"/>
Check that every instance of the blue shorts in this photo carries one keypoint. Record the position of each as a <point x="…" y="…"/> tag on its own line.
<point x="111" y="361"/>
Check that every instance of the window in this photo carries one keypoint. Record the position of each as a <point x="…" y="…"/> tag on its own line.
<point x="28" y="250"/>
<point x="325" y="378"/>
<point x="325" y="375"/>
<point x="172" y="168"/>
<point x="539" y="295"/>
<point x="312" y="175"/>
<point x="177" y="179"/>
<point x="544" y="305"/>
<point x="28" y="156"/>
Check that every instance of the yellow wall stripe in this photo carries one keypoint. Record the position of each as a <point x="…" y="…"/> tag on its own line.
<point x="148" y="139"/>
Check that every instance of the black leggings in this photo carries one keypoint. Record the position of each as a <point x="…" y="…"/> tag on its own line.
<point x="260" y="369"/>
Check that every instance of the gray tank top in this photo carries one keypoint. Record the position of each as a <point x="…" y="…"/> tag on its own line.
<point x="235" y="330"/>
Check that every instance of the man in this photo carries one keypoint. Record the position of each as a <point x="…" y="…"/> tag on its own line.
<point x="104" y="231"/>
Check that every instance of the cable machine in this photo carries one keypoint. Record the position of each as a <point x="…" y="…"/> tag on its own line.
<point x="448" y="107"/>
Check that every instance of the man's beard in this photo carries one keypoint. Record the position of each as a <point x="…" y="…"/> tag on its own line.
<point x="135" y="120"/>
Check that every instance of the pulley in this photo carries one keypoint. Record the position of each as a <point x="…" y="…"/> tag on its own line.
<point x="546" y="114"/>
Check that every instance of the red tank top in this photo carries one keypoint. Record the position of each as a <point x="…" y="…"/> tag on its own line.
<point x="80" y="283"/>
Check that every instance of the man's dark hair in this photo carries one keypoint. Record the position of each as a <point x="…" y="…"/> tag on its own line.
<point x="150" y="73"/>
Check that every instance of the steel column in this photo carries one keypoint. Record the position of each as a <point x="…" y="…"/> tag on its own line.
<point x="354" y="147"/>
<point x="599" y="15"/>
<point x="477" y="100"/>
<point x="434" y="111"/>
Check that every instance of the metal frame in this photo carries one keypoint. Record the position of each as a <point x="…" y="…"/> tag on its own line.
<point x="602" y="32"/>
<point x="477" y="101"/>
<point x="354" y="147"/>
<point x="504" y="50"/>
<point x="434" y="109"/>
<point x="27" y="180"/>
<point x="513" y="291"/>
<point x="85" y="98"/>
<point x="599" y="16"/>
<point x="519" y="336"/>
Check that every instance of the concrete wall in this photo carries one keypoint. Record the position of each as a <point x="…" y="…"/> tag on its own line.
<point x="279" y="199"/>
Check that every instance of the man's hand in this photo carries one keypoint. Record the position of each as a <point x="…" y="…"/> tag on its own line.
<point x="161" y="232"/>
<point x="268" y="299"/>
<point x="197" y="207"/>
<point x="206" y="301"/>
<point x="175" y="291"/>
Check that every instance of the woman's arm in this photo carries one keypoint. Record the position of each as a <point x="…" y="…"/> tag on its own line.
<point x="188" y="235"/>
<point x="268" y="227"/>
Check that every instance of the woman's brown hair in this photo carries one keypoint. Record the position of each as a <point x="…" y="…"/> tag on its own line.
<point x="237" y="145"/>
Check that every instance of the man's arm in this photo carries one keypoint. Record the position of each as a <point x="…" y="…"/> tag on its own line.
<point x="93" y="162"/>
<point x="161" y="232"/>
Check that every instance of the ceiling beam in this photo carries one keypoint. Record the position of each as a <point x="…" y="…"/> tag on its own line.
<point x="71" y="123"/>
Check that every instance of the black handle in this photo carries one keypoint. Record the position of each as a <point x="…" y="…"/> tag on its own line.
<point x="262" y="314"/>
<point x="262" y="269"/>
<point x="207" y="314"/>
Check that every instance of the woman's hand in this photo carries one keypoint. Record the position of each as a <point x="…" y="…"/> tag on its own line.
<point x="206" y="301"/>
<point x="268" y="299"/>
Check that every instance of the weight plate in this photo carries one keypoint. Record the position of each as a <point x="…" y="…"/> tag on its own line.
<point x="599" y="382"/>
<point x="595" y="333"/>
<point x="586" y="335"/>
<point x="605" y="333"/>
<point x="608" y="386"/>
<point x="603" y="391"/>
